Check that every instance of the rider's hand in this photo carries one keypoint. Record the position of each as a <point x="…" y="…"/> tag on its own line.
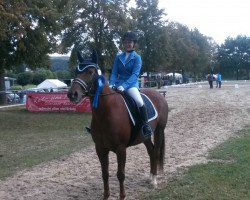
<point x="120" y="88"/>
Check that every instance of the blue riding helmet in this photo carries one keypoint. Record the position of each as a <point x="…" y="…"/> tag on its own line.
<point x="130" y="36"/>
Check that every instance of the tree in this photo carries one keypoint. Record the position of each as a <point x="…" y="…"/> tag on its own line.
<point x="182" y="47"/>
<point x="153" y="42"/>
<point x="203" y="52"/>
<point x="95" y="25"/>
<point x="190" y="50"/>
<point x="234" y="57"/>
<point x="40" y="75"/>
<point x="12" y="28"/>
<point x="62" y="74"/>
<point x="24" y="78"/>
<point x="27" y="34"/>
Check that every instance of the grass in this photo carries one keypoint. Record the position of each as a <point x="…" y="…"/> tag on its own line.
<point x="226" y="177"/>
<point x="28" y="139"/>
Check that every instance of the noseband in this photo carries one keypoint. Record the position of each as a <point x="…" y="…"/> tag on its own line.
<point x="82" y="84"/>
<point x="86" y="92"/>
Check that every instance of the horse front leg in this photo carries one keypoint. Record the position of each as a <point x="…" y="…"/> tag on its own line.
<point x="121" y="159"/>
<point x="103" y="156"/>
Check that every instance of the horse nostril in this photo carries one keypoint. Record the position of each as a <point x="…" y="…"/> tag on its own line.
<point x="69" y="95"/>
<point x="73" y="96"/>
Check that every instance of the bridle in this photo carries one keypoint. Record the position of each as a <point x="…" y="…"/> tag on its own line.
<point x="86" y="91"/>
<point x="83" y="85"/>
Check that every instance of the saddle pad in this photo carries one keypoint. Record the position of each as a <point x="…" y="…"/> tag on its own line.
<point x="151" y="111"/>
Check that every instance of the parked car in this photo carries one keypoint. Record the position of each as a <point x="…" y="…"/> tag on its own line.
<point x="12" y="97"/>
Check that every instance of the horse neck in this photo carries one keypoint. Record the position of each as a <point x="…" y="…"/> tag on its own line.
<point x="105" y="99"/>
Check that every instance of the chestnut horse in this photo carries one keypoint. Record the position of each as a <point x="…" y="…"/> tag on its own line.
<point x="111" y="127"/>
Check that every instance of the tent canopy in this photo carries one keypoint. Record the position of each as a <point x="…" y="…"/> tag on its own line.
<point x="51" y="84"/>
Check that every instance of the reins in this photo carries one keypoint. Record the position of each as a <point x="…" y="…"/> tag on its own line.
<point x="105" y="94"/>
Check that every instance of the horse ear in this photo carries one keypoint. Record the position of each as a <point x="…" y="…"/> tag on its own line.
<point x="79" y="56"/>
<point x="94" y="57"/>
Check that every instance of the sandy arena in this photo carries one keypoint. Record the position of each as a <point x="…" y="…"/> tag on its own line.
<point x="199" y="119"/>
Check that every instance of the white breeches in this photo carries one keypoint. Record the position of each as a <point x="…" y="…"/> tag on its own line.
<point x="135" y="94"/>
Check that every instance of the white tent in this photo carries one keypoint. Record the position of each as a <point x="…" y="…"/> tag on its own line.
<point x="52" y="84"/>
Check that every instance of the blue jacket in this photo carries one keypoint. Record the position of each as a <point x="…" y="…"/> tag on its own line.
<point x="219" y="77"/>
<point x="126" y="73"/>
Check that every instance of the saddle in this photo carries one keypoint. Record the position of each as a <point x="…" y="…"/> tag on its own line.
<point x="134" y="112"/>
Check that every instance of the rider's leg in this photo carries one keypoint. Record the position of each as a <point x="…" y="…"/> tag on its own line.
<point x="135" y="94"/>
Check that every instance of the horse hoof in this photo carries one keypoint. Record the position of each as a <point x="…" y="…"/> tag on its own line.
<point x="153" y="180"/>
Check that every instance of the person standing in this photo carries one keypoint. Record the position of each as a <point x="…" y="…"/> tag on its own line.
<point x="124" y="76"/>
<point x="218" y="80"/>
<point x="210" y="79"/>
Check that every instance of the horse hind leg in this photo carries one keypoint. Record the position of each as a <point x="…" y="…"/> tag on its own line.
<point x="156" y="153"/>
<point x="153" y="164"/>
<point x="159" y="150"/>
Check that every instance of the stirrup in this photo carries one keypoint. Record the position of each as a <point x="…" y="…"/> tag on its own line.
<point x="88" y="129"/>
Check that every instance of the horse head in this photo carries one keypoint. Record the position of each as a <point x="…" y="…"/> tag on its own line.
<point x="86" y="81"/>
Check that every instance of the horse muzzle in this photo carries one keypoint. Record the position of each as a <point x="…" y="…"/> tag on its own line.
<point x="77" y="91"/>
<point x="74" y="96"/>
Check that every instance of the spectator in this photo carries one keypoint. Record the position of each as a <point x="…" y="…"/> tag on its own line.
<point x="218" y="80"/>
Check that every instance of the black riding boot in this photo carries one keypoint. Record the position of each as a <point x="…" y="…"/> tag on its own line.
<point x="146" y="129"/>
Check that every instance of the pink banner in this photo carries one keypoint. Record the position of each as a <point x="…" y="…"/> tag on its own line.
<point x="55" y="102"/>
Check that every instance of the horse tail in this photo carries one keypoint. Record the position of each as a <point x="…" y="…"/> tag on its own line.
<point x="159" y="142"/>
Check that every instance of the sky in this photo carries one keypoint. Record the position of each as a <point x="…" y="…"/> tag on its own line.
<point x="218" y="19"/>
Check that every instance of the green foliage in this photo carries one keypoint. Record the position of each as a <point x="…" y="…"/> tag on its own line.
<point x="13" y="25"/>
<point x="59" y="63"/>
<point x="234" y="57"/>
<point x="63" y="74"/>
<point x="225" y="177"/>
<point x="16" y="87"/>
<point x="28" y="31"/>
<point x="19" y="87"/>
<point x="151" y="28"/>
<point x="29" y="86"/>
<point x="96" y="25"/>
<point x="24" y="78"/>
<point x="40" y="75"/>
